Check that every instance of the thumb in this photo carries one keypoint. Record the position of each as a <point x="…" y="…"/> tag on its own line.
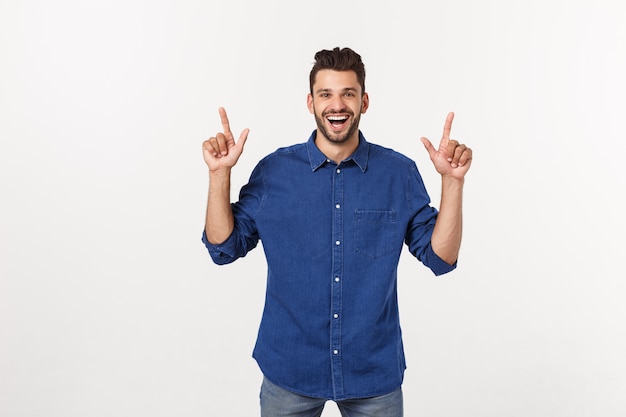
<point x="428" y="145"/>
<point x="243" y="137"/>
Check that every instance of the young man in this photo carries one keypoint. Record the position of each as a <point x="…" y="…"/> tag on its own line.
<point x="333" y="214"/>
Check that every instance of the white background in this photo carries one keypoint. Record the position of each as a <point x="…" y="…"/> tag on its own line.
<point x="109" y="303"/>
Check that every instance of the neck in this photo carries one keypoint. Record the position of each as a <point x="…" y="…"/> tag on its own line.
<point x="336" y="151"/>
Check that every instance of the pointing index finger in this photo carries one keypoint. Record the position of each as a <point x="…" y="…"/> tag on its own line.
<point x="225" y="123"/>
<point x="448" y="126"/>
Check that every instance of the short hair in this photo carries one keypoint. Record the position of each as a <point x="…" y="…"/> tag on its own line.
<point x="338" y="59"/>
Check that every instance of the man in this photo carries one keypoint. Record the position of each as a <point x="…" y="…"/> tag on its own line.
<point x="333" y="214"/>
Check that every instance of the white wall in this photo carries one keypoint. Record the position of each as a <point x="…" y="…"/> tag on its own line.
<point x="109" y="304"/>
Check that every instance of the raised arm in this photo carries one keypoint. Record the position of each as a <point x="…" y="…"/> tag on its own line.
<point x="221" y="153"/>
<point x="452" y="160"/>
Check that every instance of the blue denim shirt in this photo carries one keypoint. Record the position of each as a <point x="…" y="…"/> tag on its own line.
<point x="332" y="236"/>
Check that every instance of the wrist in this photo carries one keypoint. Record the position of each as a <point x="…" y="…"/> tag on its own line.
<point x="219" y="173"/>
<point x="450" y="181"/>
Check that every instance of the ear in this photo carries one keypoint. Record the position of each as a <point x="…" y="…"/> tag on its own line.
<point x="309" y="103"/>
<point x="365" y="103"/>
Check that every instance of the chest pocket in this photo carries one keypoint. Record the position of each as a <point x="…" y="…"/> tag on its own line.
<point x="375" y="232"/>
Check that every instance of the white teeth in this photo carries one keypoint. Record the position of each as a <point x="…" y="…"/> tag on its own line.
<point x="337" y="118"/>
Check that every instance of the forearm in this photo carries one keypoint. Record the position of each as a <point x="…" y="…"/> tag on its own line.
<point x="219" y="216"/>
<point x="446" y="237"/>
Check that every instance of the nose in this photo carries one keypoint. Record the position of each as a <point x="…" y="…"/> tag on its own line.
<point x="337" y="104"/>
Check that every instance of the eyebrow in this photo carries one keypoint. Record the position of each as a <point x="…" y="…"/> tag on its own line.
<point x="329" y="90"/>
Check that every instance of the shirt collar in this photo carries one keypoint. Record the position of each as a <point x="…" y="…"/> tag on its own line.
<point x="317" y="158"/>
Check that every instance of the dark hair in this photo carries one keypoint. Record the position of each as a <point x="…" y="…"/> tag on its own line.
<point x="339" y="59"/>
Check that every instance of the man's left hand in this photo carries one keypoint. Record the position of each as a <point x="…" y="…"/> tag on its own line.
<point x="452" y="159"/>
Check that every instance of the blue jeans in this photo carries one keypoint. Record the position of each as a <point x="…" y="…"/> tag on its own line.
<point x="278" y="402"/>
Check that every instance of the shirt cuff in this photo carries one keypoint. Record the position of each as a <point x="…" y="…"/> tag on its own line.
<point x="224" y="250"/>
<point x="436" y="264"/>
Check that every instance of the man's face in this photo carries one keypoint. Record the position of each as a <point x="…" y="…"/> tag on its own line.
<point x="337" y="103"/>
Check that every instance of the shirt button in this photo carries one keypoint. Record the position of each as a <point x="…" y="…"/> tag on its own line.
<point x="336" y="352"/>
<point x="337" y="205"/>
<point x="335" y="315"/>
<point x="338" y="170"/>
<point x="337" y="243"/>
<point x="336" y="279"/>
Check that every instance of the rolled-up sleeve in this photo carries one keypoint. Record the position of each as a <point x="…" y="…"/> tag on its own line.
<point x="244" y="236"/>
<point x="419" y="233"/>
<point x="435" y="263"/>
<point x="225" y="252"/>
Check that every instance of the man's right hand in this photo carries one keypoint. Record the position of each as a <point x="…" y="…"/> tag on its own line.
<point x="221" y="151"/>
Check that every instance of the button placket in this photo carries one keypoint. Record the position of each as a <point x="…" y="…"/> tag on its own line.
<point x="336" y="293"/>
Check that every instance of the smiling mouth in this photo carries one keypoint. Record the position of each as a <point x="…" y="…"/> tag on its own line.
<point x="337" y="121"/>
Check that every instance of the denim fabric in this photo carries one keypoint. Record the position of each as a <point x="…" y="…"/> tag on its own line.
<point x="332" y="236"/>
<point x="277" y="402"/>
